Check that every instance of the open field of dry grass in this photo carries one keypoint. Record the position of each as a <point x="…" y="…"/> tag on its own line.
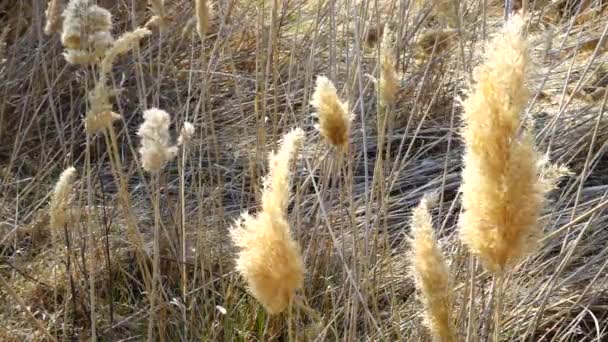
<point x="428" y="196"/>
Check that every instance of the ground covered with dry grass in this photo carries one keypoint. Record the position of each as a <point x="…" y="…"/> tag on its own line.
<point x="147" y="253"/>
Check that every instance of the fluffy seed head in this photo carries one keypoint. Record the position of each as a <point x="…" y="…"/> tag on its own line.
<point x="431" y="274"/>
<point x="269" y="259"/>
<point x="155" y="150"/>
<point x="61" y="197"/>
<point x="100" y="115"/>
<point x="502" y="193"/>
<point x="53" y="17"/>
<point x="79" y="57"/>
<point x="185" y="134"/>
<point x="202" y="17"/>
<point x="159" y="18"/>
<point x="125" y="43"/>
<point x="388" y="84"/>
<point x="276" y="184"/>
<point x="80" y="18"/>
<point x="334" y="118"/>
<point x="86" y="32"/>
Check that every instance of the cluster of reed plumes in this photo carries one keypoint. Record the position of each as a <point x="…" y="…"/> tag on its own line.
<point x="178" y="237"/>
<point x="503" y="189"/>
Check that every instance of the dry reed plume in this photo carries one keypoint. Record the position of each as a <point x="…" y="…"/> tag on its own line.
<point x="53" y="17"/>
<point x="86" y="32"/>
<point x="431" y="274"/>
<point x="269" y="259"/>
<point x="202" y="17"/>
<point x="100" y="114"/>
<point x="334" y="118"/>
<point x="185" y="134"/>
<point x="502" y="194"/>
<point x="388" y="84"/>
<point x="60" y="198"/>
<point x="155" y="150"/>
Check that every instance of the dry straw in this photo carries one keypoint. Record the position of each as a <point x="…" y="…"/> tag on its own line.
<point x="431" y="274"/>
<point x="60" y="198"/>
<point x="502" y="193"/>
<point x="269" y="259"/>
<point x="334" y="118"/>
<point x="155" y="150"/>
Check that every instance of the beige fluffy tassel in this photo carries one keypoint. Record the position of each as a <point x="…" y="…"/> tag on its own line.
<point x="269" y="259"/>
<point x="53" y="17"/>
<point x="502" y="194"/>
<point x="334" y="118"/>
<point x="202" y="17"/>
<point x="431" y="274"/>
<point x="155" y="150"/>
<point x="61" y="198"/>
<point x="388" y="84"/>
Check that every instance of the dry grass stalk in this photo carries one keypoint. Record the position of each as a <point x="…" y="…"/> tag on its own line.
<point x="269" y="258"/>
<point x="202" y="17"/>
<point x="53" y="17"/>
<point x="155" y="150"/>
<point x="61" y="197"/>
<point x="502" y="193"/>
<point x="431" y="274"/>
<point x="388" y="84"/>
<point x="3" y="36"/>
<point x="334" y="118"/>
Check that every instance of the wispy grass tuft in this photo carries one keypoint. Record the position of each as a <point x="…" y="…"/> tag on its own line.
<point x="334" y="118"/>
<point x="502" y="194"/>
<point x="269" y="259"/>
<point x="61" y="197"/>
<point x="431" y="274"/>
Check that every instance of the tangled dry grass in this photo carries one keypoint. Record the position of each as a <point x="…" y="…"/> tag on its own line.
<point x="148" y="255"/>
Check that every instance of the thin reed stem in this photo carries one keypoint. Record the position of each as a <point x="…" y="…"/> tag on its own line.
<point x="156" y="258"/>
<point x="498" y="282"/>
<point x="90" y="237"/>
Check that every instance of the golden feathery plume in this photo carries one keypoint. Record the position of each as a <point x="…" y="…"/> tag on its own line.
<point x="269" y="259"/>
<point x="53" y="17"/>
<point x="431" y="274"/>
<point x="155" y="150"/>
<point x="202" y="17"/>
<point x="388" y="84"/>
<point x="61" y="197"/>
<point x="502" y="194"/>
<point x="334" y="118"/>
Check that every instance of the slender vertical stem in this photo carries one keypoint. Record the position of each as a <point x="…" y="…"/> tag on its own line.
<point x="471" y="319"/>
<point x="156" y="257"/>
<point x="90" y="238"/>
<point x="499" y="279"/>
